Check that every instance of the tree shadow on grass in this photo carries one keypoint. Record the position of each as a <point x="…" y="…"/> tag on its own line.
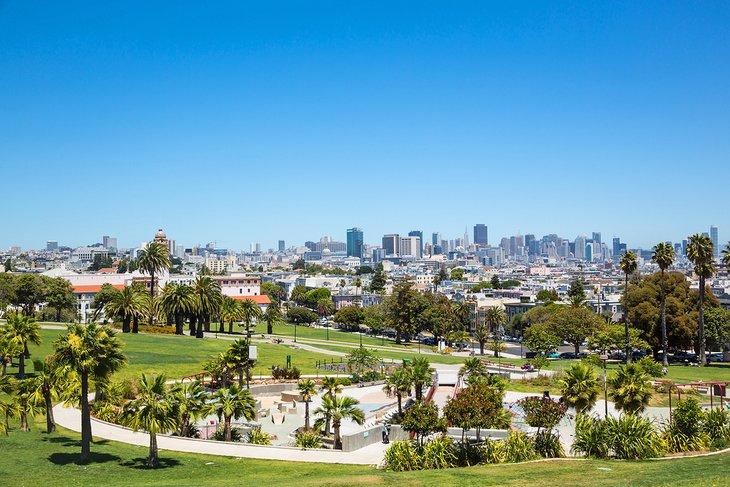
<point x="70" y="442"/>
<point x="69" y="458"/>
<point x="141" y="463"/>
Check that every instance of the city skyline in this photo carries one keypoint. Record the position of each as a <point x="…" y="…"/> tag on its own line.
<point x="529" y="117"/>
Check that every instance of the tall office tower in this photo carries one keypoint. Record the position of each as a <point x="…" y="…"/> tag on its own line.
<point x="678" y="249"/>
<point x="109" y="243"/>
<point x="435" y="238"/>
<point x="410" y="246"/>
<point x="258" y="247"/>
<point x="616" y="247"/>
<point x="391" y="244"/>
<point x="685" y="242"/>
<point x="170" y="246"/>
<point x="445" y="247"/>
<point x="51" y="245"/>
<point x="588" y="251"/>
<point x="282" y="245"/>
<point x="504" y="243"/>
<point x="597" y="238"/>
<point x="580" y="247"/>
<point x="715" y="241"/>
<point x="481" y="235"/>
<point x="465" y="242"/>
<point x="355" y="242"/>
<point x="531" y="244"/>
<point x="419" y="234"/>
<point x="564" y="248"/>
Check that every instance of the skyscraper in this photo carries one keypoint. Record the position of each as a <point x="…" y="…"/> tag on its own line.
<point x="435" y="238"/>
<point x="481" y="235"/>
<point x="282" y="246"/>
<point x="109" y="243"/>
<point x="715" y="241"/>
<point x="411" y="246"/>
<point x="616" y="246"/>
<point x="51" y="245"/>
<point x="419" y="234"/>
<point x="391" y="244"/>
<point x="597" y="238"/>
<point x="355" y="241"/>
<point x="580" y="247"/>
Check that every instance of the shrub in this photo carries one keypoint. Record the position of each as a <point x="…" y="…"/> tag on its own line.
<point x="548" y="445"/>
<point x="716" y="425"/>
<point x="256" y="436"/>
<point x="650" y="366"/>
<point x="542" y="412"/>
<point x="468" y="454"/>
<point x="685" y="431"/>
<point x="439" y="453"/>
<point x="106" y="412"/>
<point x="369" y="376"/>
<point x="308" y="439"/>
<point x="590" y="437"/>
<point x="632" y="437"/>
<point x="518" y="447"/>
<point x="403" y="456"/>
<point x="493" y="452"/>
<point x="286" y="373"/>
<point x="236" y="434"/>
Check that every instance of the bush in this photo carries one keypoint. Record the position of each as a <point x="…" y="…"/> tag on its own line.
<point x="716" y="426"/>
<point x="439" y="453"/>
<point x="105" y="412"/>
<point x="590" y="437"/>
<point x="468" y="454"/>
<point x="518" y="447"/>
<point x="308" y="439"/>
<point x="547" y="444"/>
<point x="256" y="436"/>
<point x="236" y="434"/>
<point x="493" y="452"/>
<point x="650" y="366"/>
<point x="286" y="373"/>
<point x="403" y="456"/>
<point x="369" y="376"/>
<point x="542" y="412"/>
<point x="632" y="437"/>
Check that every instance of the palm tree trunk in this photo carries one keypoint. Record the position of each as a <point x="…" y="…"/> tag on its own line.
<point x="227" y="428"/>
<point x="152" y="298"/>
<point x="135" y="325"/>
<point x="193" y="322"/>
<point x="125" y="324"/>
<point x="21" y="366"/>
<point x="338" y="440"/>
<point x="306" y="415"/>
<point x="50" y="420"/>
<point x="270" y="327"/>
<point x="626" y="320"/>
<point x="221" y="326"/>
<point x="58" y="315"/>
<point x="400" y="404"/>
<point x="23" y="420"/>
<point x="230" y="327"/>
<point x="178" y="324"/>
<point x="153" y="461"/>
<point x="701" y="324"/>
<point x="665" y="359"/>
<point x="201" y="323"/>
<point x="85" y="419"/>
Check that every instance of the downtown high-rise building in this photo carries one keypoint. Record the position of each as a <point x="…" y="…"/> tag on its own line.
<point x="410" y="246"/>
<point x="391" y="244"/>
<point x="419" y="234"/>
<point x="282" y="245"/>
<point x="109" y="243"/>
<point x="481" y="235"/>
<point x="715" y="241"/>
<point x="355" y="242"/>
<point x="51" y="245"/>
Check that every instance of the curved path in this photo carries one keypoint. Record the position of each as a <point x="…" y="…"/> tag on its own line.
<point x="70" y="418"/>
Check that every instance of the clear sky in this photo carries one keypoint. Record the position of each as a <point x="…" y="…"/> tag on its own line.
<point x="239" y="121"/>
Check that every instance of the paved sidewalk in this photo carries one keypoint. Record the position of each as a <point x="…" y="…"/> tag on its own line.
<point x="70" y="418"/>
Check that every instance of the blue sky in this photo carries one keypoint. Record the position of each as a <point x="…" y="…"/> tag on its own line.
<point x="237" y="122"/>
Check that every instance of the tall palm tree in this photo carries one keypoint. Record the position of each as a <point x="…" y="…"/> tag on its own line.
<point x="420" y="372"/>
<point x="26" y="402"/>
<point x="8" y="349"/>
<point x="192" y="403"/>
<point x="497" y="319"/>
<point x="325" y="307"/>
<point x="208" y="300"/>
<point x="473" y="366"/>
<point x="238" y="358"/>
<point x="49" y="380"/>
<point x="481" y="336"/>
<point x="307" y="390"/>
<point x="580" y="387"/>
<point x="630" y="388"/>
<point x="331" y="386"/>
<point x="250" y="312"/>
<point x="231" y="311"/>
<point x="271" y="315"/>
<point x="700" y="252"/>
<point x="153" y="260"/>
<point x="339" y="408"/>
<point x="91" y="351"/>
<point x="153" y="411"/>
<point x="128" y="304"/>
<point x="8" y="407"/>
<point x="460" y="315"/>
<point x="664" y="256"/>
<point x="628" y="264"/>
<point x="20" y="330"/>
<point x="726" y="255"/>
<point x="177" y="300"/>
<point x="232" y="402"/>
<point x="398" y="384"/>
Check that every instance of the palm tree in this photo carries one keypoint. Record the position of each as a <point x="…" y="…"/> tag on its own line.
<point x="331" y="386"/>
<point x="50" y="378"/>
<point x="339" y="408"/>
<point x="8" y="350"/>
<point x="461" y="312"/>
<point x="472" y="367"/>
<point x="481" y="335"/>
<point x="8" y="407"/>
<point x="154" y="259"/>
<point x="153" y="411"/>
<point x="250" y="312"/>
<point x="398" y="384"/>
<point x="191" y="400"/>
<point x="420" y="371"/>
<point x="630" y="388"/>
<point x="230" y="312"/>
<point x="177" y="300"/>
<point x="664" y="256"/>
<point x="700" y="252"/>
<point x="580" y="387"/>
<point x="238" y="358"/>
<point x="208" y="300"/>
<point x="271" y="316"/>
<point x="19" y="330"/>
<point x="128" y="304"/>
<point x="307" y="390"/>
<point x="26" y="402"/>
<point x="232" y="402"/>
<point x="628" y="264"/>
<point x="91" y="351"/>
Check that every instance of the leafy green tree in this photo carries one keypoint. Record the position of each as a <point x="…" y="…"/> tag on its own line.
<point x="575" y="325"/>
<point x="20" y="330"/>
<point x="8" y="265"/>
<point x="238" y="358"/>
<point x="59" y="296"/>
<point x="540" y="338"/>
<point x="301" y="315"/>
<point x="29" y="290"/>
<point x="628" y="264"/>
<point x="377" y="283"/>
<point x="457" y="274"/>
<point x="614" y="336"/>
<point x="547" y="295"/>
<point x="307" y="390"/>
<point x="664" y="257"/>
<point x="422" y="419"/>
<point x="153" y="411"/>
<point x="460" y="313"/>
<point x="630" y="388"/>
<point x="717" y="327"/>
<point x="477" y="406"/>
<point x="276" y="293"/>
<point x="350" y="316"/>
<point x="153" y="260"/>
<point x="576" y="292"/>
<point x="101" y="299"/>
<point x="91" y="351"/>
<point x="232" y="402"/>
<point x="364" y="269"/>
<point x="495" y="282"/>
<point x="271" y="315"/>
<point x="700" y="252"/>
<point x="299" y="265"/>
<point x="338" y="408"/>
<point x="362" y="360"/>
<point x="403" y="308"/>
<point x="580" y="387"/>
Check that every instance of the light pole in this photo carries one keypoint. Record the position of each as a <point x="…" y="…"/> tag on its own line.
<point x="295" y="332"/>
<point x="360" y="333"/>
<point x="604" y="359"/>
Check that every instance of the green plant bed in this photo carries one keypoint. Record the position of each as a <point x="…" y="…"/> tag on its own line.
<point x="38" y="458"/>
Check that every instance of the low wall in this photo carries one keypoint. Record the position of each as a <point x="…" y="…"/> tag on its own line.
<point x="483" y="434"/>
<point x="370" y="436"/>
<point x="269" y="389"/>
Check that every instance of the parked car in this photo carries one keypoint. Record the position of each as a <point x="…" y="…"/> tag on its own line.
<point x="553" y="355"/>
<point x="431" y="341"/>
<point x="530" y="355"/>
<point x="568" y="355"/>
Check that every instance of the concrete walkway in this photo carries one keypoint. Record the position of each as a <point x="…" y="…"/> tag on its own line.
<point x="70" y="418"/>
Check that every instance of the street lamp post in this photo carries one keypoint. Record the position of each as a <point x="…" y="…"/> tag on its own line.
<point x="604" y="359"/>
<point x="295" y="332"/>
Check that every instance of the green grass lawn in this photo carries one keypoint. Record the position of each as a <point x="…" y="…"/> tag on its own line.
<point x="178" y="356"/>
<point x="287" y="330"/>
<point x="35" y="457"/>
